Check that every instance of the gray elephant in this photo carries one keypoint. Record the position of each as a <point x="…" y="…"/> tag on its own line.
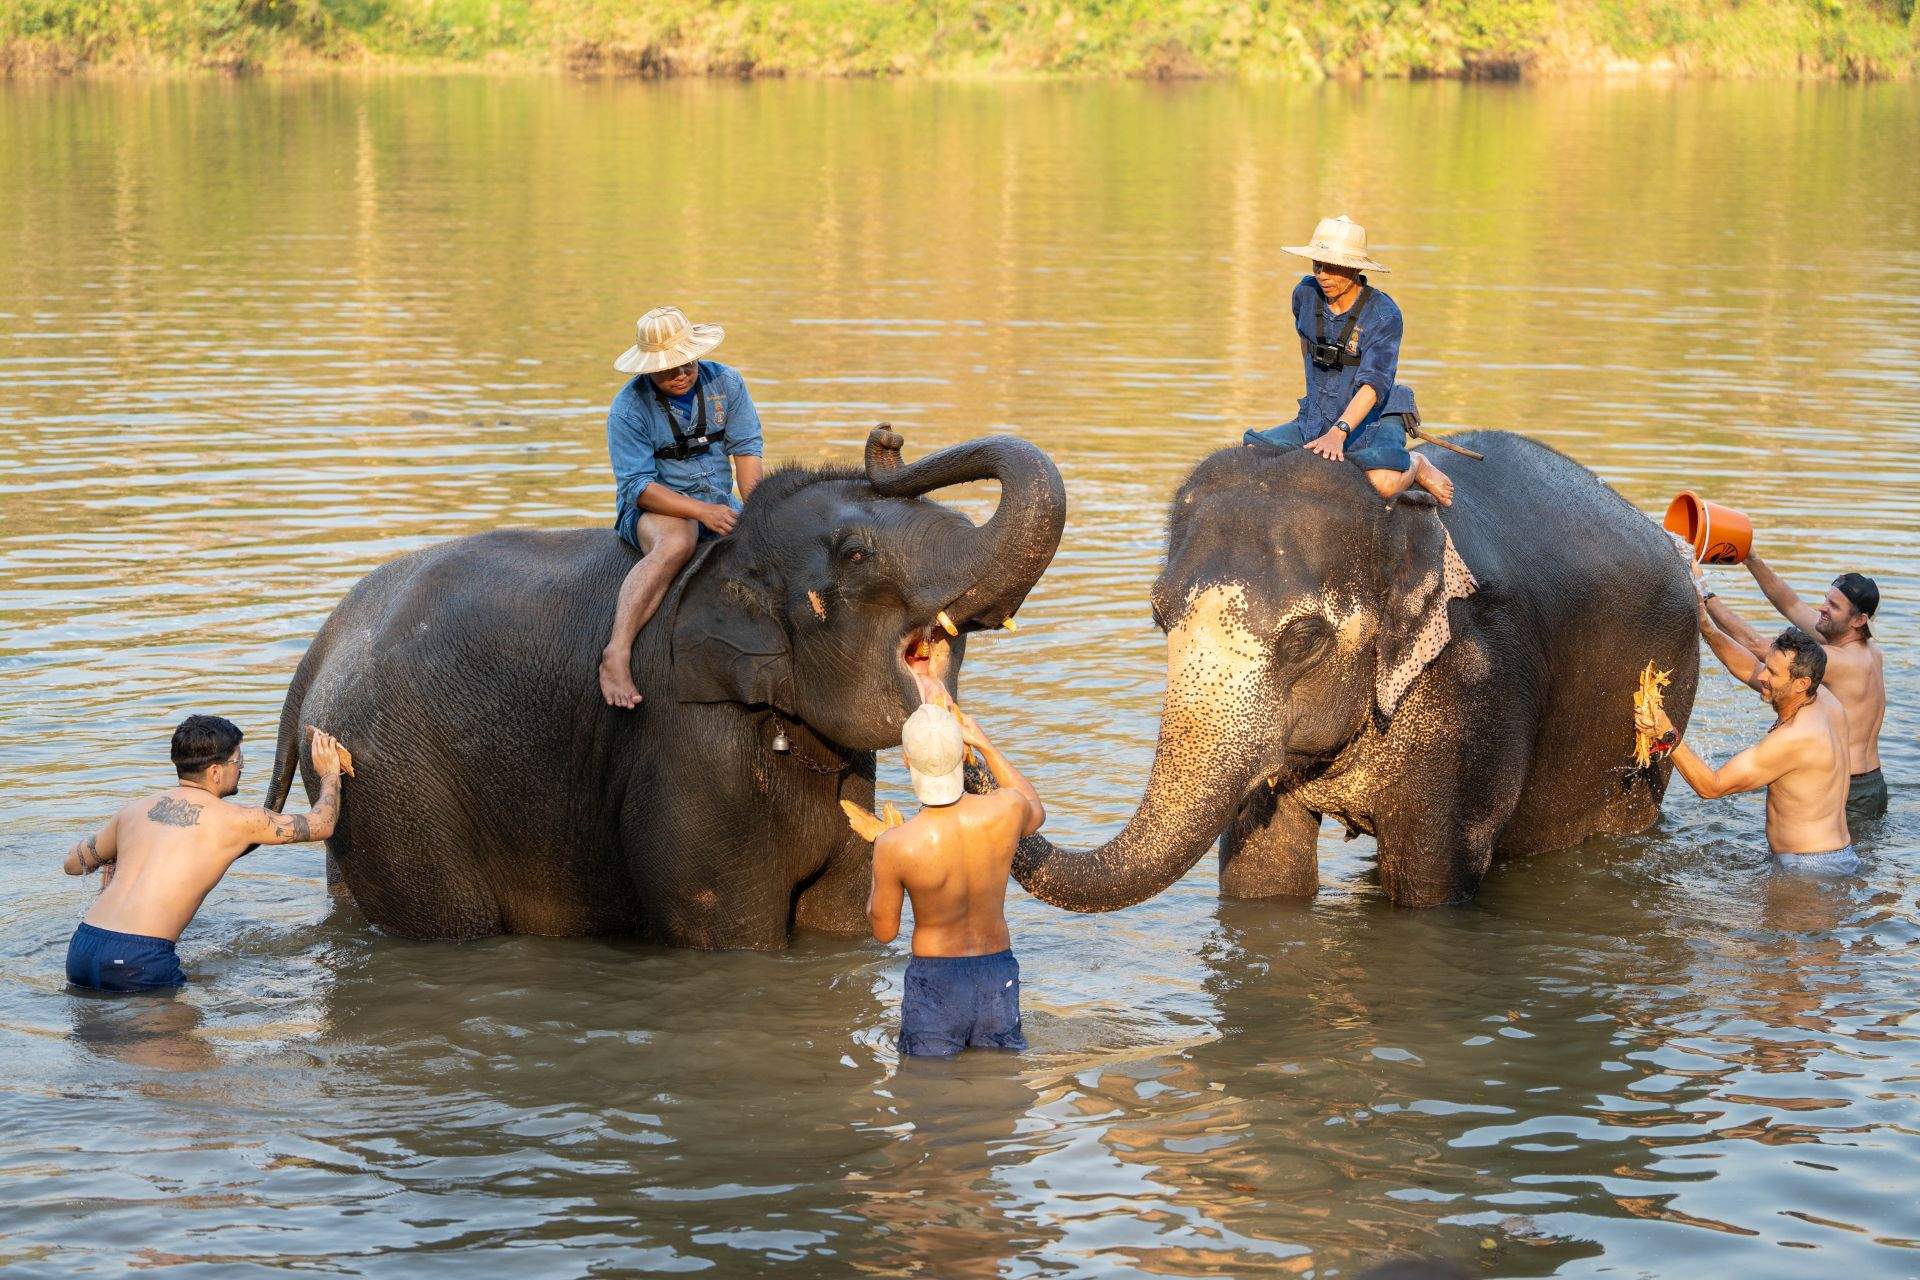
<point x="1456" y="683"/>
<point x="495" y="792"/>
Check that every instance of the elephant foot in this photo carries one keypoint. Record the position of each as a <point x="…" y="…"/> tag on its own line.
<point x="1255" y="881"/>
<point x="1428" y="885"/>
<point x="616" y="679"/>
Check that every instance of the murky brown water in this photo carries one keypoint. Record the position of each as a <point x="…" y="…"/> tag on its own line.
<point x="257" y="338"/>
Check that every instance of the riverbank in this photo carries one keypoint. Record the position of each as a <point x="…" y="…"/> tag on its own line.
<point x="1796" y="39"/>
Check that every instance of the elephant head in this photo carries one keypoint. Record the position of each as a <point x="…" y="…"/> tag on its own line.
<point x="824" y="604"/>
<point x="1298" y="607"/>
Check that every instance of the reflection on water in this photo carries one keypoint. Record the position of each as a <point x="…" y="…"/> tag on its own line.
<point x="257" y="338"/>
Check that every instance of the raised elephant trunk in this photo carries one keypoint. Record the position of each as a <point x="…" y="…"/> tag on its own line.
<point x="985" y="573"/>
<point x="1214" y="738"/>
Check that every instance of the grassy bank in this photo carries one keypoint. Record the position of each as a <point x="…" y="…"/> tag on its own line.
<point x="1294" y="39"/>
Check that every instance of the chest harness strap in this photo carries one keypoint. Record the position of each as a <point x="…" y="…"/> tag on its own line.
<point x="687" y="444"/>
<point x="1340" y="353"/>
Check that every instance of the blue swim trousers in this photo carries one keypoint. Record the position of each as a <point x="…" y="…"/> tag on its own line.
<point x="958" y="1002"/>
<point x="108" y="961"/>
<point x="1841" y="862"/>
<point x="1379" y="445"/>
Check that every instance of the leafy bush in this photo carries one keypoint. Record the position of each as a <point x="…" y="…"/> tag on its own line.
<point x="1281" y="38"/>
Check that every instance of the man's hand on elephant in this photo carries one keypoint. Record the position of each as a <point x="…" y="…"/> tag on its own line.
<point x="719" y="517"/>
<point x="1332" y="446"/>
<point x="326" y="754"/>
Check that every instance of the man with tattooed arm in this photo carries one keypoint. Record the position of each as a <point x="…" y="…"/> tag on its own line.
<point x="163" y="853"/>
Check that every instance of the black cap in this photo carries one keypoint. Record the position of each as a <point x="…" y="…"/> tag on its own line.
<point x="1862" y="592"/>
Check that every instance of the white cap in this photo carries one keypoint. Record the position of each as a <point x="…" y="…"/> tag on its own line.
<point x="935" y="754"/>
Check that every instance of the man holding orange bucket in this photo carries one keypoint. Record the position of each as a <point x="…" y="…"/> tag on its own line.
<point x="1855" y="665"/>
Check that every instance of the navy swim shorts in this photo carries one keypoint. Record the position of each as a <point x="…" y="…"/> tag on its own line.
<point x="1866" y="796"/>
<point x="109" y="961"/>
<point x="958" y="1002"/>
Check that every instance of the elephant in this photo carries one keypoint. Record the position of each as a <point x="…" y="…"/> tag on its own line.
<point x="1455" y="682"/>
<point x="495" y="792"/>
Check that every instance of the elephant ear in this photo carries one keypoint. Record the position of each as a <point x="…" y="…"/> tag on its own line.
<point x="729" y="643"/>
<point x="1424" y="574"/>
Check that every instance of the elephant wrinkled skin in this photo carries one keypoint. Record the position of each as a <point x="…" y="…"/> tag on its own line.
<point x="1328" y="655"/>
<point x="495" y="792"/>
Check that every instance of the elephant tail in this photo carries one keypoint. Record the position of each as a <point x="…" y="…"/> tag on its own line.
<point x="286" y="751"/>
<point x="286" y="748"/>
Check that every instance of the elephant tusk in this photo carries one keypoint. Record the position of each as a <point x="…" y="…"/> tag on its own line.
<point x="946" y="623"/>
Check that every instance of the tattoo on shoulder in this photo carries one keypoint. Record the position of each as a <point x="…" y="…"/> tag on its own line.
<point x="169" y="812"/>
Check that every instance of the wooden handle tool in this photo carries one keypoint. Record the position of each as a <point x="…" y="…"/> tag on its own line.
<point x="1462" y="450"/>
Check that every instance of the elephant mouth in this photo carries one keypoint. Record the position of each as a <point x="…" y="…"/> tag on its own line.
<point x="924" y="651"/>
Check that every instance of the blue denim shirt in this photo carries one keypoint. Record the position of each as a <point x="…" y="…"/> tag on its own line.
<point x="1377" y="336"/>
<point x="637" y="428"/>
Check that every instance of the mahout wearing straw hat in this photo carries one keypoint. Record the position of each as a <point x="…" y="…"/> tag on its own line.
<point x="666" y="339"/>
<point x="1341" y="241"/>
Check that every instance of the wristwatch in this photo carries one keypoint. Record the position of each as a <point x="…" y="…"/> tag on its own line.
<point x="1340" y="425"/>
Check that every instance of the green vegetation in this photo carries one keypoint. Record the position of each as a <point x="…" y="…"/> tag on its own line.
<point x="1298" y="39"/>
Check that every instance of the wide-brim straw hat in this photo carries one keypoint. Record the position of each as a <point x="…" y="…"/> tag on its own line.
<point x="1341" y="241"/>
<point x="667" y="341"/>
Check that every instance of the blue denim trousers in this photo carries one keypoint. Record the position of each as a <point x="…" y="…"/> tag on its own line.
<point x="1378" y="445"/>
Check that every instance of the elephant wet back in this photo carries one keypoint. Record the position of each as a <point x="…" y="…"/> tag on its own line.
<point x="462" y="679"/>
<point x="1579" y="590"/>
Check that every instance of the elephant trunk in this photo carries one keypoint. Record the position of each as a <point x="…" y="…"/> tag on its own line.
<point x="987" y="572"/>
<point x="1214" y="740"/>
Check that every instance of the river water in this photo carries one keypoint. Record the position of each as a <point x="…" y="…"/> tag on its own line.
<point x="256" y="338"/>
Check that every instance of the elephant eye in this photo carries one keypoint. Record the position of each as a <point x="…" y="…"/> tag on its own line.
<point x="856" y="554"/>
<point x="1303" y="639"/>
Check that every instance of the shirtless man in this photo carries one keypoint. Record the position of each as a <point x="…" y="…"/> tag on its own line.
<point x="1802" y="762"/>
<point x="1855" y="666"/>
<point x="953" y="858"/>
<point x="170" y="848"/>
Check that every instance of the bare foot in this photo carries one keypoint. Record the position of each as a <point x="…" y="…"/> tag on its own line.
<point x="616" y="680"/>
<point x="1434" y="481"/>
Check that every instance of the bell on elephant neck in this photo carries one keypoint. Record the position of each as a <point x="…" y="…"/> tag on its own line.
<point x="780" y="743"/>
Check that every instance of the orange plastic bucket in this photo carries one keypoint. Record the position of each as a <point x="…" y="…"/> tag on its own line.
<point x="1720" y="535"/>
